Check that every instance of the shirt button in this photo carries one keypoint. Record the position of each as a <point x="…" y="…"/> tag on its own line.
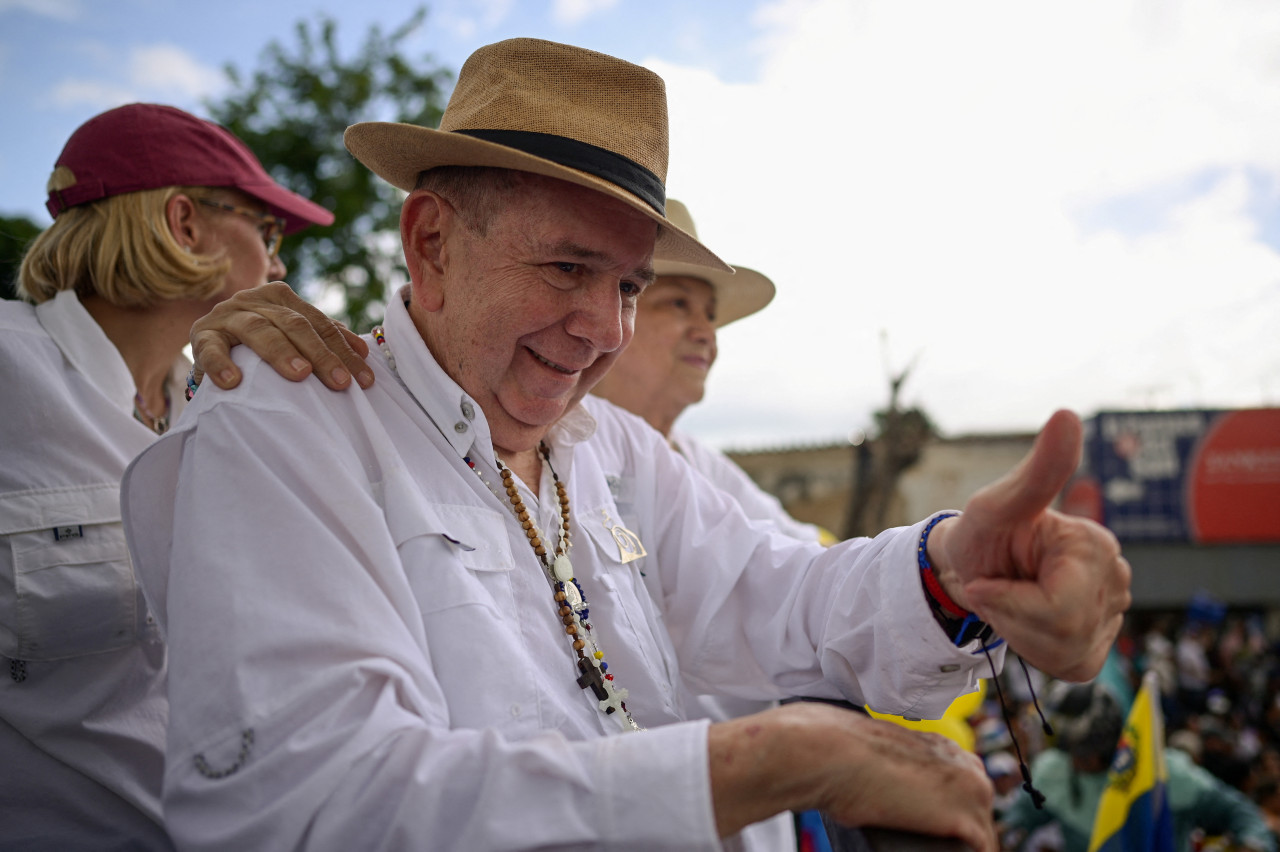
<point x="468" y="410"/>
<point x="515" y="709"/>
<point x="460" y="427"/>
<point x="949" y="668"/>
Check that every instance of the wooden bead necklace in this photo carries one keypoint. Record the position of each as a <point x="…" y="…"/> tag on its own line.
<point x="570" y="602"/>
<point x="567" y="592"/>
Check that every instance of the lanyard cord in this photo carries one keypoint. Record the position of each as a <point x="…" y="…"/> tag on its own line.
<point x="1037" y="798"/>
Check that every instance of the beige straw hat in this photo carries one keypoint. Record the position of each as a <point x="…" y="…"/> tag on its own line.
<point x="551" y="109"/>
<point x="738" y="294"/>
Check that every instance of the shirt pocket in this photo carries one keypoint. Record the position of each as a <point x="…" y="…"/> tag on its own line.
<point x="73" y="590"/>
<point x="453" y="554"/>
<point x="457" y="560"/>
<point x="623" y="583"/>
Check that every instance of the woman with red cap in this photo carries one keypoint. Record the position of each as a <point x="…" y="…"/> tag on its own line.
<point x="158" y="216"/>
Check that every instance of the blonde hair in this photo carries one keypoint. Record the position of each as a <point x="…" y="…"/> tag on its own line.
<point x="119" y="248"/>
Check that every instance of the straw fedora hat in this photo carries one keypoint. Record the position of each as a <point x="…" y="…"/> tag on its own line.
<point x="554" y="110"/>
<point x="738" y="294"/>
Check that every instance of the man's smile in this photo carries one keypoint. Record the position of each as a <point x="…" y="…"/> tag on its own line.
<point x="552" y="364"/>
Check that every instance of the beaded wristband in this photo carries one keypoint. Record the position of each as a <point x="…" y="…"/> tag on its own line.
<point x="931" y="584"/>
<point x="960" y="625"/>
<point x="192" y="384"/>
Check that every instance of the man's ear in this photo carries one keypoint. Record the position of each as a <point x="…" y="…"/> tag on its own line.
<point x="426" y="221"/>
<point x="184" y="222"/>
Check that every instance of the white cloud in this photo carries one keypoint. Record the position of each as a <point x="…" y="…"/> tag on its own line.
<point x="919" y="168"/>
<point x="467" y="18"/>
<point x="93" y="93"/>
<point x="569" y="12"/>
<point x="59" y="10"/>
<point x="169" y="69"/>
<point x="155" y="72"/>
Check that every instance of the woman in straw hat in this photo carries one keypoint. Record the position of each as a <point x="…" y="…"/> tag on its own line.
<point x="158" y="217"/>
<point x="664" y="369"/>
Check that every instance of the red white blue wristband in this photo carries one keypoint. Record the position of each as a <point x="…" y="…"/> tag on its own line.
<point x="961" y="625"/>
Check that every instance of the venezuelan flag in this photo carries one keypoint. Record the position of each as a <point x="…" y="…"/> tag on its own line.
<point x="1133" y="814"/>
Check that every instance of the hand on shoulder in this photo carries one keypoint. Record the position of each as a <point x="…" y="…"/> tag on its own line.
<point x="291" y="335"/>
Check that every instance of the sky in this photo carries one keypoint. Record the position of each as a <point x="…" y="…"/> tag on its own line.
<point x="1030" y="206"/>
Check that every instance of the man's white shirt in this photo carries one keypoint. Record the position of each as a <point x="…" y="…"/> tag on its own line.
<point x="365" y="651"/>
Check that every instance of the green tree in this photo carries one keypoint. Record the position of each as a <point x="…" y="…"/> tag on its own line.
<point x="16" y="233"/>
<point x="292" y="112"/>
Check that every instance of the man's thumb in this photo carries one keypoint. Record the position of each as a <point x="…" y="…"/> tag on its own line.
<point x="1033" y="485"/>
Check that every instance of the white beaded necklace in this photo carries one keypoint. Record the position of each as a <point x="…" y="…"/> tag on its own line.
<point x="567" y="592"/>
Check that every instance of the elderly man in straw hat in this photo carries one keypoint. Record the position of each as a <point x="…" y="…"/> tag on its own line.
<point x="412" y="617"/>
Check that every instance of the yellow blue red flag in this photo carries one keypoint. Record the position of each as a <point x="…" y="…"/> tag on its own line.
<point x="1134" y="815"/>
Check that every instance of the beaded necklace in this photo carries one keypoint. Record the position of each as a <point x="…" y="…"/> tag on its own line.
<point x="566" y="590"/>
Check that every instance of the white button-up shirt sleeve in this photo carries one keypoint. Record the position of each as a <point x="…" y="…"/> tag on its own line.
<point x="754" y="613"/>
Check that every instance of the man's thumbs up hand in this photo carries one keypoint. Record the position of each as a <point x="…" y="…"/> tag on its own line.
<point x="1054" y="586"/>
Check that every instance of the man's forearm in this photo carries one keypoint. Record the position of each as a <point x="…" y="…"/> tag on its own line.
<point x="751" y="778"/>
<point x="863" y="771"/>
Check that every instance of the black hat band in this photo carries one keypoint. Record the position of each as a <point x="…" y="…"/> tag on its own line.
<point x="585" y="157"/>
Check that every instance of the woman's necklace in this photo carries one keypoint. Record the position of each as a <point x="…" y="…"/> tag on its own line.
<point x="158" y="424"/>
<point x="566" y="591"/>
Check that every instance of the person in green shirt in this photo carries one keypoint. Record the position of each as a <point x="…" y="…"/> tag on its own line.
<point x="1089" y="719"/>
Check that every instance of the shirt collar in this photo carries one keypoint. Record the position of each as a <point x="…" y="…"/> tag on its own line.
<point x="92" y="354"/>
<point x="574" y="426"/>
<point x="87" y="347"/>
<point x="458" y="417"/>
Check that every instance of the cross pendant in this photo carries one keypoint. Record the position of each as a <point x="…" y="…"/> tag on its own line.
<point x="614" y="702"/>
<point x="591" y="678"/>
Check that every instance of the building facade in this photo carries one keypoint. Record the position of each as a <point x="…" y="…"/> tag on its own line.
<point x="1194" y="496"/>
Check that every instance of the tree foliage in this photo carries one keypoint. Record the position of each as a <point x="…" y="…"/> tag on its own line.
<point x="16" y="233"/>
<point x="292" y="112"/>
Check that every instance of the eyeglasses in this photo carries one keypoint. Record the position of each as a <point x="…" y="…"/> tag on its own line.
<point x="271" y="227"/>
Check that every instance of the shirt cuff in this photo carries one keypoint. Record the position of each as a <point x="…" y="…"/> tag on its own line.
<point x="658" y="786"/>
<point x="943" y="671"/>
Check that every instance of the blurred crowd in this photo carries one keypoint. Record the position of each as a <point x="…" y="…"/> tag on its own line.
<point x="1219" y="678"/>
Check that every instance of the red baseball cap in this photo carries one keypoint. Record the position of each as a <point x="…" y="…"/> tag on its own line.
<point x="148" y="146"/>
